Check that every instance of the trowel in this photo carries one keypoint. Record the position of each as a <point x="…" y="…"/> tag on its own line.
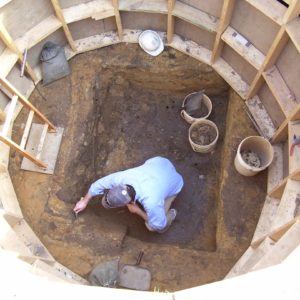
<point x="135" y="277"/>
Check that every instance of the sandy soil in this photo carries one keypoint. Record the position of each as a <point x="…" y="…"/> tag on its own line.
<point x="118" y="107"/>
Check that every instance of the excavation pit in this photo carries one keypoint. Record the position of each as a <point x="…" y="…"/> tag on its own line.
<point x="119" y="107"/>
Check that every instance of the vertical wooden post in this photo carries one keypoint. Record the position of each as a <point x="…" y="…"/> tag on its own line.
<point x="8" y="41"/>
<point x="2" y="116"/>
<point x="170" y="24"/>
<point x="60" y="16"/>
<point x="224" y="21"/>
<point x="292" y="12"/>
<point x="118" y="19"/>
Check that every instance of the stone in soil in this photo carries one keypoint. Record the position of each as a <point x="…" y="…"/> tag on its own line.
<point x="203" y="134"/>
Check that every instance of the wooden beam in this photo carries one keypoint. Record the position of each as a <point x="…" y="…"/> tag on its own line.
<point x="275" y="50"/>
<point x="2" y="116"/>
<point x="170" y="25"/>
<point x="226" y="13"/>
<point x="118" y="19"/>
<point x="6" y="84"/>
<point x="15" y="146"/>
<point x="60" y="16"/>
<point x="8" y="41"/>
<point x="292" y="12"/>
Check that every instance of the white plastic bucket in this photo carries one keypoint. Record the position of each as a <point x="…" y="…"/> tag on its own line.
<point x="205" y="100"/>
<point x="203" y="148"/>
<point x="260" y="146"/>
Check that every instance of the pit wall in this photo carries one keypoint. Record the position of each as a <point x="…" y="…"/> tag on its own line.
<point x="254" y="45"/>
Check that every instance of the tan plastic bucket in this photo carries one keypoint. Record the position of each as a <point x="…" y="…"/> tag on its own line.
<point x="258" y="145"/>
<point x="206" y="101"/>
<point x="203" y="148"/>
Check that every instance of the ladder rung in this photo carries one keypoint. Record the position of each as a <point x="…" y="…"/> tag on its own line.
<point x="42" y="140"/>
<point x="9" y="115"/>
<point x="27" y="129"/>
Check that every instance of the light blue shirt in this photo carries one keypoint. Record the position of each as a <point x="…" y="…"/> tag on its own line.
<point x="154" y="182"/>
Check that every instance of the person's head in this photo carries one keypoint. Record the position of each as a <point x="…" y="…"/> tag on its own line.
<point x="117" y="196"/>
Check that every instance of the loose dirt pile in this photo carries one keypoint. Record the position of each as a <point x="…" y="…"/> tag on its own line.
<point x="203" y="134"/>
<point x="251" y="158"/>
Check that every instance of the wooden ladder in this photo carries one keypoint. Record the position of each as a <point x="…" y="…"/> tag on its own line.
<point x="4" y="134"/>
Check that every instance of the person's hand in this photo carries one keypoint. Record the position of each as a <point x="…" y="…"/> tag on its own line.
<point x="133" y="208"/>
<point x="80" y="205"/>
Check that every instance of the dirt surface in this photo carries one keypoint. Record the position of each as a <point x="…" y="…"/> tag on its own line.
<point x="119" y="107"/>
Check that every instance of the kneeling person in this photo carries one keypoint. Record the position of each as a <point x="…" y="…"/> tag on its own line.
<point x="154" y="185"/>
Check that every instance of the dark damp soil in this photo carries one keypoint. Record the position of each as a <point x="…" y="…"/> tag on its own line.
<point x="119" y="107"/>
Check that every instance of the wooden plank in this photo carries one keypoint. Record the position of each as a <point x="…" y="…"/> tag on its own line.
<point x="278" y="190"/>
<point x="261" y="116"/>
<point x="8" y="59"/>
<point x="281" y="250"/>
<point x="276" y="48"/>
<point x="94" y="9"/>
<point x="272" y="9"/>
<point x="292" y="12"/>
<point x="251" y="257"/>
<point x="6" y="84"/>
<point x="151" y="6"/>
<point x="265" y="221"/>
<point x="227" y="9"/>
<point x="293" y="30"/>
<point x="8" y="197"/>
<point x="60" y="16"/>
<point x="118" y="18"/>
<point x="97" y="41"/>
<point x="191" y="48"/>
<point x="41" y="141"/>
<point x="195" y="16"/>
<point x="2" y="116"/>
<point x="289" y="206"/>
<point x="237" y="269"/>
<point x="275" y="170"/>
<point x="231" y="77"/>
<point x="10" y="240"/>
<point x="294" y="160"/>
<point x="285" y="98"/>
<point x="9" y="116"/>
<point x="243" y="47"/>
<point x="281" y="133"/>
<point x="26" y="130"/>
<point x="49" y="151"/>
<point x="60" y="271"/>
<point x="295" y="115"/>
<point x="15" y="146"/>
<point x="38" y="33"/>
<point x="7" y="39"/>
<point x="29" y="238"/>
<point x="170" y="22"/>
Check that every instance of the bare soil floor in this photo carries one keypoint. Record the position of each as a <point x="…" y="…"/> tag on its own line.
<point x="119" y="107"/>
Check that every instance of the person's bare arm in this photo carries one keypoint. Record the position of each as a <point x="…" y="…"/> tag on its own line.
<point x="135" y="209"/>
<point x="82" y="203"/>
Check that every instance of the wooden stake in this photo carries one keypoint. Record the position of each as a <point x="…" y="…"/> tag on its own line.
<point x="60" y="16"/>
<point x="224" y="21"/>
<point x="118" y="19"/>
<point x="170" y="25"/>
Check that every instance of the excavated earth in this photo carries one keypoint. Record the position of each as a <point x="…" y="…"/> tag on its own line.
<point x="119" y="107"/>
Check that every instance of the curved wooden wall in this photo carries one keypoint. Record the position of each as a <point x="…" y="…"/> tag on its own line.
<point x="253" y="44"/>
